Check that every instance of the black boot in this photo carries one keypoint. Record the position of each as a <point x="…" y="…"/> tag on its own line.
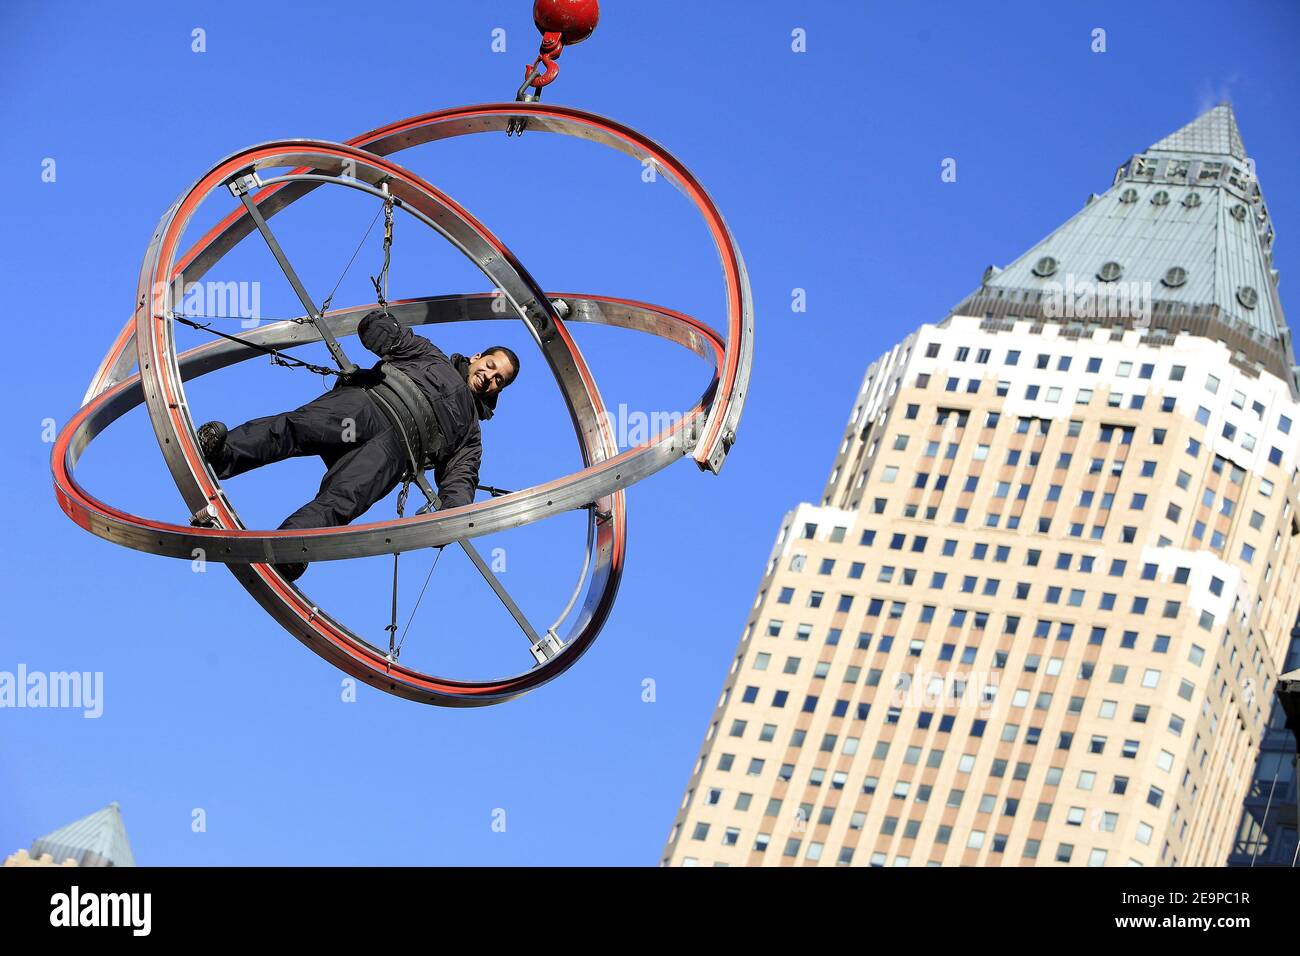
<point x="291" y="572"/>
<point x="212" y="441"/>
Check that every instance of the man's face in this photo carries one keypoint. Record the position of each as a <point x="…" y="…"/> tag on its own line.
<point x="489" y="373"/>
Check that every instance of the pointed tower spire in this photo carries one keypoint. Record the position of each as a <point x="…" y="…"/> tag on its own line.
<point x="1181" y="242"/>
<point x="1214" y="132"/>
<point x="95" y="840"/>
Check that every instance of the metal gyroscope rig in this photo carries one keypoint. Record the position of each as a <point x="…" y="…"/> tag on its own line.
<point x="143" y="367"/>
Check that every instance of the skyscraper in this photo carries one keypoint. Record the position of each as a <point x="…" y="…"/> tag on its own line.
<point x="1038" y="614"/>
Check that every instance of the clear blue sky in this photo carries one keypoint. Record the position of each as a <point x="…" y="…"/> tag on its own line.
<point x="826" y="165"/>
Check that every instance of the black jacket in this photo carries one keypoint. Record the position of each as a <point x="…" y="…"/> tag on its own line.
<point x="445" y="382"/>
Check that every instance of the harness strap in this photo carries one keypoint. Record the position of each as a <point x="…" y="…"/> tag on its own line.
<point x="411" y="430"/>
<point x="419" y="409"/>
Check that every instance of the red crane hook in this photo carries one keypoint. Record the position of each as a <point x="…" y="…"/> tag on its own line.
<point x="561" y="22"/>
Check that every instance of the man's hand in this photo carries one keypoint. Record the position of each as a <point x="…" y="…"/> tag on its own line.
<point x="389" y="339"/>
<point x="364" y="377"/>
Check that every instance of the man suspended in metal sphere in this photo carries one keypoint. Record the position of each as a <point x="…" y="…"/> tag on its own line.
<point x="416" y="409"/>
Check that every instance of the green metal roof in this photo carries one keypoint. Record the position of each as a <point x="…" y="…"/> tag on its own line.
<point x="1214" y="132"/>
<point x="1189" y="203"/>
<point x="96" y="840"/>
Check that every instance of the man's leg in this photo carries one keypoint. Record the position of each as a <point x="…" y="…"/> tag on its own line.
<point x="333" y="425"/>
<point x="355" y="482"/>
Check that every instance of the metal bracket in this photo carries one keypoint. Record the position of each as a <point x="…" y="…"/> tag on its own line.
<point x="205" y="517"/>
<point x="242" y="185"/>
<point x="547" y="647"/>
<point x="600" y="516"/>
<point x="540" y="319"/>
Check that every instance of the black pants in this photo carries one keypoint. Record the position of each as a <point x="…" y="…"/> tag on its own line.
<point x="364" y="454"/>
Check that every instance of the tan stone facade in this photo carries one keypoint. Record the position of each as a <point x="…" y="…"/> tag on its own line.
<point x="23" y="858"/>
<point x="1036" y="619"/>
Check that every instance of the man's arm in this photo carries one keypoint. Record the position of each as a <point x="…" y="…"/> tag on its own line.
<point x="389" y="339"/>
<point x="458" y="478"/>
